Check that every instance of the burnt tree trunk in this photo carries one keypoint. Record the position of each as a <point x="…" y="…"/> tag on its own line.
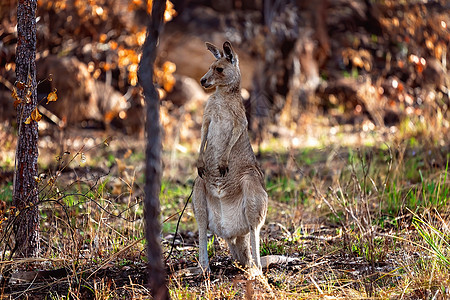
<point x="156" y="272"/>
<point x="25" y="195"/>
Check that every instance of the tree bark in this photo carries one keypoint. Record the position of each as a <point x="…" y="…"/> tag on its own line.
<point x="25" y="196"/>
<point x="156" y="272"/>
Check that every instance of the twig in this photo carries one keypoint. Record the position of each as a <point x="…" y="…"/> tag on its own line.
<point x="315" y="284"/>
<point x="178" y="223"/>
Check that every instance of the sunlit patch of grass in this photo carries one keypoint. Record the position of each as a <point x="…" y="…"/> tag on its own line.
<point x="182" y="293"/>
<point x="173" y="197"/>
<point x="426" y="275"/>
<point x="7" y="162"/>
<point x="436" y="240"/>
<point x="6" y="192"/>
<point x="137" y="156"/>
<point x="272" y="247"/>
<point x="432" y="191"/>
<point x="310" y="156"/>
<point x="207" y="290"/>
<point x="210" y="247"/>
<point x="283" y="189"/>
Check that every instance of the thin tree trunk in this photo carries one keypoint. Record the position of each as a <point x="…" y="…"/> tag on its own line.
<point x="156" y="272"/>
<point x="25" y="195"/>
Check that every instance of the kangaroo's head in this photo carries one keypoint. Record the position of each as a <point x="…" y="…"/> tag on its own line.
<point x="225" y="70"/>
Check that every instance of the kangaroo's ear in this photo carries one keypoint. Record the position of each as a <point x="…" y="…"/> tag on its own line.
<point x="214" y="50"/>
<point x="229" y="52"/>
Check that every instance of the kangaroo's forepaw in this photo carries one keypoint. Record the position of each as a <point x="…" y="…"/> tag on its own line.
<point x="223" y="170"/>
<point x="201" y="171"/>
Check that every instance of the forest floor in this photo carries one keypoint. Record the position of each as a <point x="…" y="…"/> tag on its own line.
<point x="364" y="218"/>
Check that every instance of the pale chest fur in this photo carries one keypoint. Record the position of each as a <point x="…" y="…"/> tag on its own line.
<point x="219" y="131"/>
<point x="224" y="114"/>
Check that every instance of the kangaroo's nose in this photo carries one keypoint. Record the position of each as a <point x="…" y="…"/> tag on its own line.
<point x="203" y="81"/>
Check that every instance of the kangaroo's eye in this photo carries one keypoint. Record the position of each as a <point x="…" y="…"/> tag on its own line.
<point x="220" y="70"/>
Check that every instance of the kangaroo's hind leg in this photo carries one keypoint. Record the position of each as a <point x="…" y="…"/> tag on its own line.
<point x="256" y="201"/>
<point x="199" y="203"/>
<point x="240" y="249"/>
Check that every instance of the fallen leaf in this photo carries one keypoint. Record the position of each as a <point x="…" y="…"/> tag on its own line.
<point x="128" y="153"/>
<point x="120" y="165"/>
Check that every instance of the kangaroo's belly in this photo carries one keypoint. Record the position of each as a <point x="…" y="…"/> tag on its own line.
<point x="226" y="215"/>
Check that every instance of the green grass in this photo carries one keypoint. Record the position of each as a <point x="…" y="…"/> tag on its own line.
<point x="432" y="191"/>
<point x="210" y="247"/>
<point x="172" y="199"/>
<point x="436" y="240"/>
<point x="272" y="247"/>
<point x="309" y="156"/>
<point x="283" y="189"/>
<point x="6" y="192"/>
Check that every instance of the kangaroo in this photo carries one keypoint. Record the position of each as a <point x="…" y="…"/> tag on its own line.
<point x="229" y="196"/>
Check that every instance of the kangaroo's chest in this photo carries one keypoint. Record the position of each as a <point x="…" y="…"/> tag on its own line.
<point x="219" y="133"/>
<point x="219" y="127"/>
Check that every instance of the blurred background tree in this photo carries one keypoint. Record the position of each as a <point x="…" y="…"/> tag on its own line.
<point x="386" y="62"/>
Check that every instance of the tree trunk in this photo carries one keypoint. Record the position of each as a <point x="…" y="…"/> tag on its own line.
<point x="156" y="273"/>
<point x="25" y="195"/>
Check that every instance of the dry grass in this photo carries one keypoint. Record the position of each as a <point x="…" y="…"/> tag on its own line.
<point x="365" y="223"/>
